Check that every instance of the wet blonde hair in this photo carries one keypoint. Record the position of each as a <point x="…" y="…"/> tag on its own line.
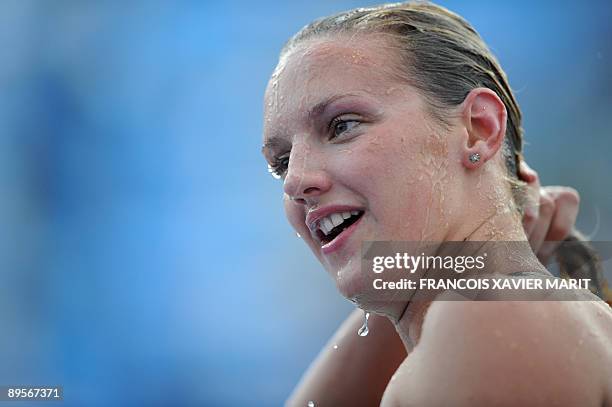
<point x="443" y="56"/>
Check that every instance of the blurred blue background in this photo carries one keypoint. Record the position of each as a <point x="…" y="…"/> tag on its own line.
<point x="144" y="254"/>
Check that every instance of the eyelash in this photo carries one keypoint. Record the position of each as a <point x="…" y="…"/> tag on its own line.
<point x="338" y="120"/>
<point x="280" y="163"/>
<point x="278" y="167"/>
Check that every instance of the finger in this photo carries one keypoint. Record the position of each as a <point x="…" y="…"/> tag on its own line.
<point x="541" y="226"/>
<point x="566" y="203"/>
<point x="526" y="173"/>
<point x="532" y="198"/>
<point x="546" y="251"/>
<point x="530" y="215"/>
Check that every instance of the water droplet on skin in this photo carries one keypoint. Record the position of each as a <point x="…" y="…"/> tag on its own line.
<point x="298" y="235"/>
<point x="311" y="403"/>
<point x="390" y="90"/>
<point x="335" y="346"/>
<point x="364" y="331"/>
<point x="479" y="183"/>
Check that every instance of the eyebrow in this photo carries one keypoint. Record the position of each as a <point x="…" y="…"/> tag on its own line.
<point x="313" y="112"/>
<point x="320" y="107"/>
<point x="271" y="143"/>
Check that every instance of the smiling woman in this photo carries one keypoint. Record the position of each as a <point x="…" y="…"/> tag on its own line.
<point x="396" y="123"/>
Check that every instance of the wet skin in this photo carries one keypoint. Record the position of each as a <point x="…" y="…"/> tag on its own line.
<point x="356" y="136"/>
<point x="343" y="132"/>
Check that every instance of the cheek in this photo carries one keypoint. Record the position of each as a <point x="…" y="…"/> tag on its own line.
<point x="383" y="166"/>
<point x="399" y="174"/>
<point x="295" y="215"/>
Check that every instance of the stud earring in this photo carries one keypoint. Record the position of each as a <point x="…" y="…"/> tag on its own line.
<point x="474" y="158"/>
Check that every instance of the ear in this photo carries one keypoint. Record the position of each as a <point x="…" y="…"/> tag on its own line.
<point x="484" y="116"/>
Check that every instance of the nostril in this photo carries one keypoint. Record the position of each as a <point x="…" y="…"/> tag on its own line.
<point x="310" y="190"/>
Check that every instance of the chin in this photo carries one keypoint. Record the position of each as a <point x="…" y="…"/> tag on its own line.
<point x="350" y="282"/>
<point x="356" y="285"/>
<point x="355" y="282"/>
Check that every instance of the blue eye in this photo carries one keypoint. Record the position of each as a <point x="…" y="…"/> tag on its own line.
<point x="340" y="126"/>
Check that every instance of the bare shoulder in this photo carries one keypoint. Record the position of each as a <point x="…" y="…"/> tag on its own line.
<point x="509" y="353"/>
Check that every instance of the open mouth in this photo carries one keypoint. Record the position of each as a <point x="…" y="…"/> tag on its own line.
<point x="332" y="226"/>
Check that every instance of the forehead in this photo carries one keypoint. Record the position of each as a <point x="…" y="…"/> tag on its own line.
<point x="322" y="69"/>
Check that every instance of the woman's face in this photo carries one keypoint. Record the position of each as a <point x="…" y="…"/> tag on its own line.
<point x="359" y="156"/>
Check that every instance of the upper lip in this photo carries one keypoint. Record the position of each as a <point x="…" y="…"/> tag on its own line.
<point x="314" y="216"/>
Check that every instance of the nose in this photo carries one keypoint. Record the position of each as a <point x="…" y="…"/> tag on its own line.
<point x="306" y="177"/>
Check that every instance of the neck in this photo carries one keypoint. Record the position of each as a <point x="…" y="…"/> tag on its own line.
<point x="501" y="236"/>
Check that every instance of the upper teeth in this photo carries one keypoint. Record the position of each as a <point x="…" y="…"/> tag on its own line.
<point x="327" y="223"/>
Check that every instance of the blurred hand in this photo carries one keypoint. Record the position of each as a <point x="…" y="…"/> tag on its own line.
<point x="550" y="213"/>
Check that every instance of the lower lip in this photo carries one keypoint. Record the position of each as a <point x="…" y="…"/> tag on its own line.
<point x="341" y="239"/>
